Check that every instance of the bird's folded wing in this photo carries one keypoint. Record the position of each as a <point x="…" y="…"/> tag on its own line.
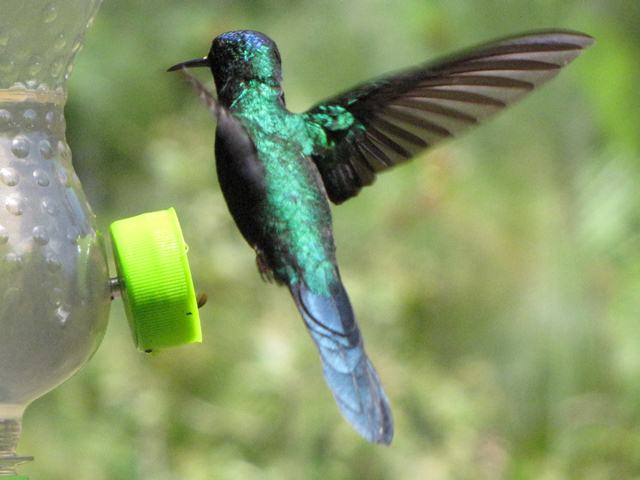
<point x="387" y="121"/>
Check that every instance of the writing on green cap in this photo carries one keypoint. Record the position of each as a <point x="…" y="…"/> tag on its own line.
<point x="156" y="284"/>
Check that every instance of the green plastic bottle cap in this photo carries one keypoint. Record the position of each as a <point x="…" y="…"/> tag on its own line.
<point x="156" y="284"/>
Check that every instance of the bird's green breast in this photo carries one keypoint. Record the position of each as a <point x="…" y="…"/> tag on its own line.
<point x="295" y="216"/>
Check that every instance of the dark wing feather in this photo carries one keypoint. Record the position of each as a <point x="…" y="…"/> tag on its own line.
<point x="219" y="112"/>
<point x="395" y="117"/>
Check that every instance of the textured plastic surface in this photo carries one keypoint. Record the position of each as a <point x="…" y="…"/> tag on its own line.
<point x="53" y="273"/>
<point x="39" y="40"/>
<point x="158" y="292"/>
<point x="54" y="297"/>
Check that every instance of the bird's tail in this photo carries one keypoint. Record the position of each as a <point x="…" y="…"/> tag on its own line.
<point x="347" y="369"/>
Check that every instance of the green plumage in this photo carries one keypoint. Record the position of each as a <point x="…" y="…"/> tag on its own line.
<point x="295" y="211"/>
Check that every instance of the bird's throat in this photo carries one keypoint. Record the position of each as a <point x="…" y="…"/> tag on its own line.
<point x="250" y="95"/>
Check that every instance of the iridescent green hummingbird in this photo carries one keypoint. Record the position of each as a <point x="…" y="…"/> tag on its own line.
<point x="278" y="170"/>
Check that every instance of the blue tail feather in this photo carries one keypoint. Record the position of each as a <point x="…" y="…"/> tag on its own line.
<point x="348" y="372"/>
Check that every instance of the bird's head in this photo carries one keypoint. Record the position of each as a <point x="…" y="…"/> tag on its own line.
<point x="240" y="56"/>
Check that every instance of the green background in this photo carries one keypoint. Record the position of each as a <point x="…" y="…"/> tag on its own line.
<point x="496" y="280"/>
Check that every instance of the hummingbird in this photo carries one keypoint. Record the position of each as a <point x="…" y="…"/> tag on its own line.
<point x="279" y="170"/>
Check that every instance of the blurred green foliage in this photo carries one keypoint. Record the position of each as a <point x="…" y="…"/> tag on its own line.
<point x="496" y="280"/>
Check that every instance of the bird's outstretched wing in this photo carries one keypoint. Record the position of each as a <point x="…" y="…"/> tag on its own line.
<point x="387" y="121"/>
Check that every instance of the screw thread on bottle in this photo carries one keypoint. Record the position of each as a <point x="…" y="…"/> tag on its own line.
<point x="10" y="429"/>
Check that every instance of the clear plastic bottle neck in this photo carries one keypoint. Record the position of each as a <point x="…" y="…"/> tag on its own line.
<point x="10" y="428"/>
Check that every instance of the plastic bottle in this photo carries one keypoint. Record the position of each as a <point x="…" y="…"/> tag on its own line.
<point x="54" y="285"/>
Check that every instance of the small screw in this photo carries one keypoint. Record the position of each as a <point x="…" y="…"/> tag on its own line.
<point x="115" y="286"/>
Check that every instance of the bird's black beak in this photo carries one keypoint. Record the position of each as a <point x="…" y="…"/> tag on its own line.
<point x="196" y="62"/>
